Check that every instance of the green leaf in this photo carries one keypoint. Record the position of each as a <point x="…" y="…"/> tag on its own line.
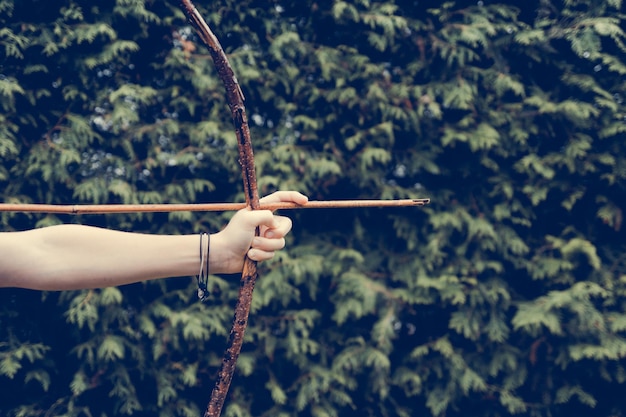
<point x="111" y="348"/>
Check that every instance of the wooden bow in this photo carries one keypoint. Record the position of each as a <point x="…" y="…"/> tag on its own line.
<point x="249" y="275"/>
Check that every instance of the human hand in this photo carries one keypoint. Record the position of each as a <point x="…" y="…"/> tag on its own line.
<point x="230" y="246"/>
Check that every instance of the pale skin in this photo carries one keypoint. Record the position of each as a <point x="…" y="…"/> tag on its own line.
<point x="76" y="257"/>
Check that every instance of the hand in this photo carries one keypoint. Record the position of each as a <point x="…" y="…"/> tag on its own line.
<point x="230" y="246"/>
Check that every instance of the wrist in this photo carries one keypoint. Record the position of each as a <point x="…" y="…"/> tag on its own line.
<point x="218" y="257"/>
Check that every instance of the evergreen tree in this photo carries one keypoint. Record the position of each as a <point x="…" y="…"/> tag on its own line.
<point x="506" y="295"/>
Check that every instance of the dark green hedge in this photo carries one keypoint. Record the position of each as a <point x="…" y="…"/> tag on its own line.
<point x="505" y="295"/>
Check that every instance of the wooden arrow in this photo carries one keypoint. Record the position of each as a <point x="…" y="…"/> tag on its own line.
<point x="166" y="208"/>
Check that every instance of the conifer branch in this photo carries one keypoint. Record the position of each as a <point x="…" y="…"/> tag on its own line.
<point x="249" y="276"/>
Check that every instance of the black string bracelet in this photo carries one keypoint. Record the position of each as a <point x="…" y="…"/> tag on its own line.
<point x="203" y="275"/>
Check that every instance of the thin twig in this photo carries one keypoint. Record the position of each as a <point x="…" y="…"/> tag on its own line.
<point x="167" y="208"/>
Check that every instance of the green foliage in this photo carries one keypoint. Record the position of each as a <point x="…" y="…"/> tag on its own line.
<point x="505" y="296"/>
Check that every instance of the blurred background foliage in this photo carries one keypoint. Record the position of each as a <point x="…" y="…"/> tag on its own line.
<point x="506" y="295"/>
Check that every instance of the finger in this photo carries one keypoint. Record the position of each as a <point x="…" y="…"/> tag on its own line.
<point x="289" y="196"/>
<point x="259" y="255"/>
<point x="282" y="226"/>
<point x="268" y="245"/>
<point x="255" y="218"/>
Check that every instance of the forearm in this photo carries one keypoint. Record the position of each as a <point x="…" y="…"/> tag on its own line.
<point x="73" y="256"/>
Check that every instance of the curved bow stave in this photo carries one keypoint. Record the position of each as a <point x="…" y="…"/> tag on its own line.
<point x="235" y="99"/>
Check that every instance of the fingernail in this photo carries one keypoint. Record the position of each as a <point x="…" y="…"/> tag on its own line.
<point x="270" y="234"/>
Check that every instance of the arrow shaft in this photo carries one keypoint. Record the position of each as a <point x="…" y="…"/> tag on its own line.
<point x="167" y="208"/>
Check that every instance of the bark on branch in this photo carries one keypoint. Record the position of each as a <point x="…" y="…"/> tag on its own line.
<point x="249" y="276"/>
